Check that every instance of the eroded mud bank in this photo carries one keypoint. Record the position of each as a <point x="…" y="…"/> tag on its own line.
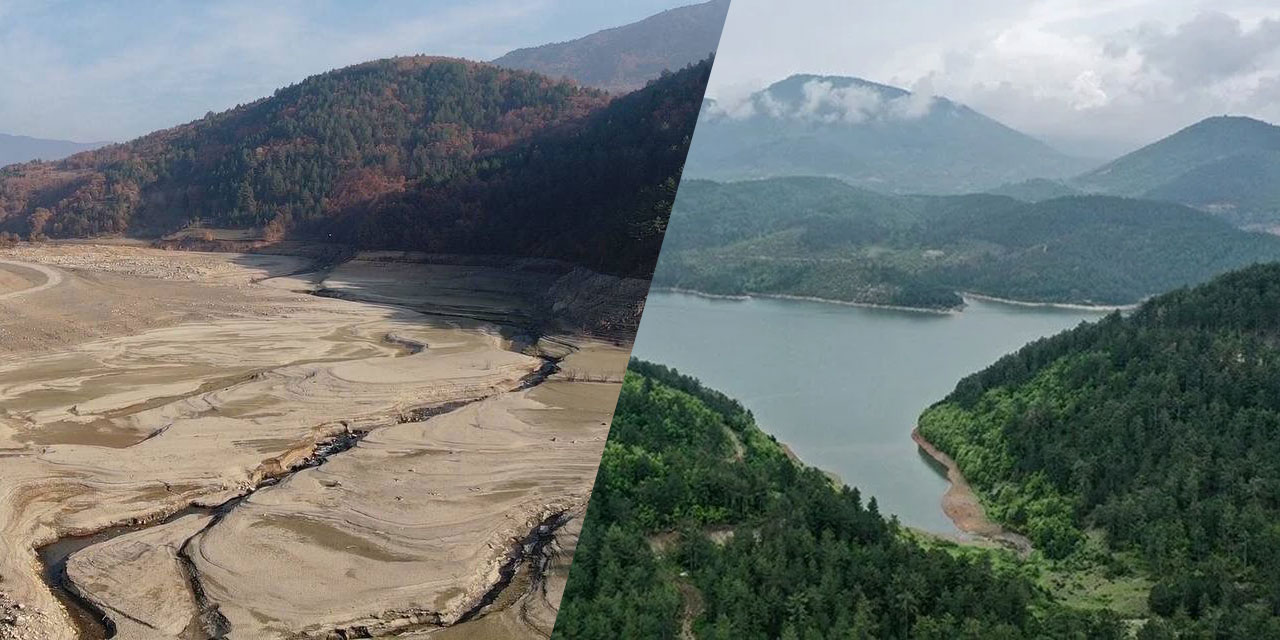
<point x="186" y="439"/>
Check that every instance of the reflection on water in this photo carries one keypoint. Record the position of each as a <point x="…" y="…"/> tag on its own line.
<point x="843" y="385"/>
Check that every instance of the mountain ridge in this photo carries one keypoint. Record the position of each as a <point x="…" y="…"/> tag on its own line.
<point x="624" y="58"/>
<point x="19" y="148"/>
<point x="869" y="134"/>
<point x="1222" y="164"/>
<point x="424" y="152"/>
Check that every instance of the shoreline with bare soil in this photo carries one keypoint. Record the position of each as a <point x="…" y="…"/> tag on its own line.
<point x="784" y="296"/>
<point x="967" y="296"/>
<point x="963" y="506"/>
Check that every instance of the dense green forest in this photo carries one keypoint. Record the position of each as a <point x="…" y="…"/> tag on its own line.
<point x="823" y="238"/>
<point x="1156" y="431"/>
<point x="700" y="522"/>
<point x="420" y="153"/>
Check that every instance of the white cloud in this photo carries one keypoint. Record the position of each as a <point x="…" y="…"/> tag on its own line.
<point x="1209" y="48"/>
<point x="824" y="101"/>
<point x="1096" y="77"/>
<point x="1088" y="91"/>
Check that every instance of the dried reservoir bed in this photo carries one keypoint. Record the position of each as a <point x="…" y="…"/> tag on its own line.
<point x="190" y="443"/>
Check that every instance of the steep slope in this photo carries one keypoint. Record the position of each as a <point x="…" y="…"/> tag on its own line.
<point x="701" y="526"/>
<point x="414" y="153"/>
<point x="871" y="135"/>
<point x="1223" y="164"/>
<point x="15" y="149"/>
<point x="625" y="58"/>
<point x="312" y="148"/>
<point x="822" y="238"/>
<point x="598" y="193"/>
<point x="1244" y="188"/>
<point x="1158" y="431"/>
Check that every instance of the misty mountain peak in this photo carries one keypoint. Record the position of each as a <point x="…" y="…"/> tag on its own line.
<point x="830" y="100"/>
<point x="872" y="135"/>
<point x="794" y="86"/>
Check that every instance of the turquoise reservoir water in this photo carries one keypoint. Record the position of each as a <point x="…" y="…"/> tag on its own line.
<point x="843" y="385"/>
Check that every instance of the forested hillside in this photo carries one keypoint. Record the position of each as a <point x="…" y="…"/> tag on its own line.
<point x="700" y="521"/>
<point x="1227" y="165"/>
<point x="624" y="58"/>
<point x="822" y="238"/>
<point x="1160" y="432"/>
<point x="413" y="153"/>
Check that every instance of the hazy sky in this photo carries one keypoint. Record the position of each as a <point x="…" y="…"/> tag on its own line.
<point x="1094" y="77"/>
<point x="88" y="71"/>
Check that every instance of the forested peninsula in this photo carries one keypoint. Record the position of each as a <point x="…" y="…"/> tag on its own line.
<point x="1146" y="444"/>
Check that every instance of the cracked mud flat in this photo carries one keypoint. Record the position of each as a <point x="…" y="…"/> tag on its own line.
<point x="145" y="384"/>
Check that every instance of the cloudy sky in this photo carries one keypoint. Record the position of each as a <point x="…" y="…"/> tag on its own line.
<point x="1094" y="77"/>
<point x="88" y="71"/>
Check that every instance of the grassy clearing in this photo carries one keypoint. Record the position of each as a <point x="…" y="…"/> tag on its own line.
<point x="1095" y="578"/>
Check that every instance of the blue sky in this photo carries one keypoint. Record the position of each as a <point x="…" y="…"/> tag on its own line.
<point x="88" y="71"/>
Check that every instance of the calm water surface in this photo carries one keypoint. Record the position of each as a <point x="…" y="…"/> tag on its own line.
<point x="843" y="385"/>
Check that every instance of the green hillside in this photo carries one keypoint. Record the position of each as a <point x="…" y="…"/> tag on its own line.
<point x="701" y="526"/>
<point x="1224" y="164"/>
<point x="822" y="238"/>
<point x="1158" y="432"/>
<point x="1244" y="187"/>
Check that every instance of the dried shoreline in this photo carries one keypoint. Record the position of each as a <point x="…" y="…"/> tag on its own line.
<point x="966" y="295"/>
<point x="783" y="296"/>
<point x="245" y="377"/>
<point x="964" y="507"/>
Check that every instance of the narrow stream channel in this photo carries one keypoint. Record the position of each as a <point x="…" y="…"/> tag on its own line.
<point x="92" y="623"/>
<point x="529" y="549"/>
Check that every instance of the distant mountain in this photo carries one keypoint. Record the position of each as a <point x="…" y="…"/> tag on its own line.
<point x="422" y="153"/>
<point x="1227" y="165"/>
<point x="14" y="149"/>
<point x="871" y="135"/>
<point x="816" y="237"/>
<point x="625" y="58"/>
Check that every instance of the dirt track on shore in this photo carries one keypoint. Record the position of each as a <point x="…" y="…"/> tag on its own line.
<point x="14" y="282"/>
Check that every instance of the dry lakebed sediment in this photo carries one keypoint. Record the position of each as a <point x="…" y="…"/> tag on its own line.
<point x="209" y="445"/>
